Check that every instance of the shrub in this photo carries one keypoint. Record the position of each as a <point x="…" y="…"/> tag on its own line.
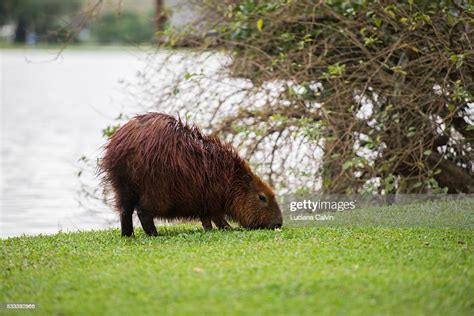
<point x="384" y="89"/>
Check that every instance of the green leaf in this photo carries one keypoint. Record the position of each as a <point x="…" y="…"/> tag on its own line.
<point x="279" y="117"/>
<point x="336" y="70"/>
<point x="368" y="41"/>
<point x="389" y="10"/>
<point x="188" y="75"/>
<point x="377" y="21"/>
<point x="398" y="69"/>
<point x="458" y="59"/>
<point x="347" y="165"/>
<point x="417" y="185"/>
<point x="110" y="130"/>
<point x="327" y="182"/>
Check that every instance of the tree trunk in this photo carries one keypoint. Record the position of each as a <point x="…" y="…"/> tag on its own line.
<point x="159" y="15"/>
<point x="20" y="31"/>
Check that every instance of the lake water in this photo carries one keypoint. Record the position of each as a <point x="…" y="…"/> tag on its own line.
<point x="52" y="113"/>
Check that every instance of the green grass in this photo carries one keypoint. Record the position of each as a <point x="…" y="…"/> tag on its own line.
<point x="299" y="270"/>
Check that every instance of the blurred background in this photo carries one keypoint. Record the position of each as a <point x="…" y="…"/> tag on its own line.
<point x="84" y="22"/>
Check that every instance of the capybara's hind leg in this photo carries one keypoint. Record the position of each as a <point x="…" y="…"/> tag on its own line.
<point x="220" y="222"/>
<point x="206" y="223"/>
<point x="146" y="219"/>
<point x="126" y="221"/>
<point x="127" y="204"/>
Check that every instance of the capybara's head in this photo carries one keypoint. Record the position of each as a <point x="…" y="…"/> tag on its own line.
<point x="255" y="206"/>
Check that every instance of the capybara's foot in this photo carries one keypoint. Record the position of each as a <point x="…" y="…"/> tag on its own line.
<point x="126" y="222"/>
<point x="146" y="219"/>
<point x="221" y="223"/>
<point x="206" y="223"/>
<point x="127" y="234"/>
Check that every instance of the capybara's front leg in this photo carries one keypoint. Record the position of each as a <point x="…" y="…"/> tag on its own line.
<point x="126" y="222"/>
<point x="220" y="222"/>
<point x="146" y="219"/>
<point x="206" y="223"/>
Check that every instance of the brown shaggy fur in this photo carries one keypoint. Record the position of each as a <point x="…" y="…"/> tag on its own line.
<point x="165" y="168"/>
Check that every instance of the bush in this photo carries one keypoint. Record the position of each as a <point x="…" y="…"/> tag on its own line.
<point x="384" y="90"/>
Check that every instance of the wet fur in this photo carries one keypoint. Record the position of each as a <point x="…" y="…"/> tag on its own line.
<point x="165" y="168"/>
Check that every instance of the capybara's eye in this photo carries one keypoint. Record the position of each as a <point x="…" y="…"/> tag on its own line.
<point x="262" y="198"/>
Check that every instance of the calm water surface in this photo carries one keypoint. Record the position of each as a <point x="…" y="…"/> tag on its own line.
<point x="52" y="113"/>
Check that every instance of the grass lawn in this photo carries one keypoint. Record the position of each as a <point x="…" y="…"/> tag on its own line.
<point x="299" y="270"/>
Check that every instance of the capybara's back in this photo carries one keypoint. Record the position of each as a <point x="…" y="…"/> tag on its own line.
<point x="165" y="168"/>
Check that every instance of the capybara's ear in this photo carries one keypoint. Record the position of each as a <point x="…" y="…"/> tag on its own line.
<point x="247" y="177"/>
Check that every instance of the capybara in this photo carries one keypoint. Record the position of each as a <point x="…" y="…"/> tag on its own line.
<point x="165" y="168"/>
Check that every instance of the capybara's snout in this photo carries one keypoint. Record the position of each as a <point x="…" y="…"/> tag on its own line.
<point x="269" y="226"/>
<point x="277" y="222"/>
<point x="275" y="226"/>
